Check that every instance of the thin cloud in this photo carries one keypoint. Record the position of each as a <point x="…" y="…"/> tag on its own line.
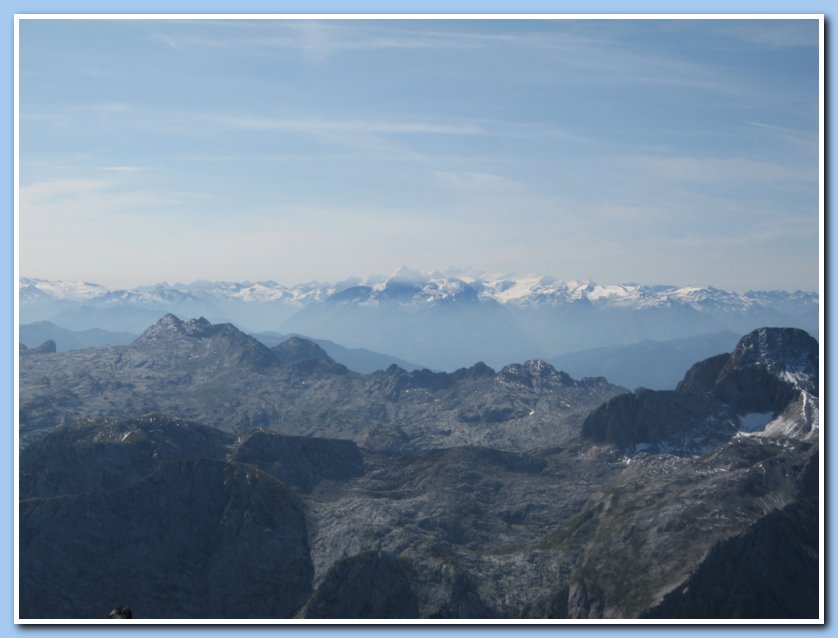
<point x="715" y="169"/>
<point x="324" y="126"/>
<point x="776" y="34"/>
<point x="316" y="39"/>
<point x="64" y="201"/>
<point x="124" y="169"/>
<point x="806" y="142"/>
<point x="590" y="59"/>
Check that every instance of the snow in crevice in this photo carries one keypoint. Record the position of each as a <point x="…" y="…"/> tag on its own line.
<point x="755" y="421"/>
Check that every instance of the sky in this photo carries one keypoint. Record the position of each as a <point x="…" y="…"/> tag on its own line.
<point x="661" y="152"/>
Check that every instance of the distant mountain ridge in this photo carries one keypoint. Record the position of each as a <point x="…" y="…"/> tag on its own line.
<point x="424" y="288"/>
<point x="443" y="320"/>
<point x="357" y="359"/>
<point x="652" y="364"/>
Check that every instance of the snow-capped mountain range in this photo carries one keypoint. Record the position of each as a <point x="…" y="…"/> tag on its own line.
<point x="443" y="320"/>
<point x="413" y="287"/>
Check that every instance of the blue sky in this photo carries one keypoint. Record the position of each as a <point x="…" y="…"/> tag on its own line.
<point x="680" y="152"/>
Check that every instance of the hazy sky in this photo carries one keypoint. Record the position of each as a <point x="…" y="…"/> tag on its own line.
<point x="678" y="152"/>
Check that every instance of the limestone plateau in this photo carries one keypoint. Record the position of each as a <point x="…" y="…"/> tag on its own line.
<point x="197" y="473"/>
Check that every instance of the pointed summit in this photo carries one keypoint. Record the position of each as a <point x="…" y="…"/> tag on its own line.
<point x="198" y="342"/>
<point x="405" y="274"/>
<point x="166" y="327"/>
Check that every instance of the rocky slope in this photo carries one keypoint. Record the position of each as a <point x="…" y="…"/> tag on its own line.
<point x="627" y="517"/>
<point x="219" y="376"/>
<point x="192" y="538"/>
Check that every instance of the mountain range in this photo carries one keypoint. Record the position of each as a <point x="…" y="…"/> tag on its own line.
<point x="357" y="359"/>
<point x="220" y="376"/>
<point x="197" y="473"/>
<point x="442" y="320"/>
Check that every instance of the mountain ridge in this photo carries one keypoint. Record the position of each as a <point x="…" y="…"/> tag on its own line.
<point x="443" y="320"/>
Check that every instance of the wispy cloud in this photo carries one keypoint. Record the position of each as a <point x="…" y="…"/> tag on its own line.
<point x="777" y="34"/>
<point x="799" y="140"/>
<point x="62" y="203"/>
<point x="315" y="39"/>
<point x="325" y="126"/>
<point x="124" y="169"/>
<point x="557" y="48"/>
<point x="701" y="170"/>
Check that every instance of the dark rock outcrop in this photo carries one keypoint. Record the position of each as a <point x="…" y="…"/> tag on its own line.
<point x="772" y="371"/>
<point x="47" y="347"/>
<point x="96" y="456"/>
<point x="368" y="585"/>
<point x="301" y="462"/>
<point x="297" y="349"/>
<point x="194" y="539"/>
<point x="769" y="571"/>
<point x="658" y="420"/>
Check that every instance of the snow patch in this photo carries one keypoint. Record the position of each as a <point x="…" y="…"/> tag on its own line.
<point x="755" y="421"/>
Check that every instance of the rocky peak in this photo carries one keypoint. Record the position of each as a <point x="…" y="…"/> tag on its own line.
<point x="47" y="347"/>
<point x="166" y="327"/>
<point x="199" y="327"/>
<point x="296" y="349"/>
<point x="206" y="344"/>
<point x="533" y="372"/>
<point x="772" y="374"/>
<point x="788" y="353"/>
<point x="477" y="371"/>
<point x="170" y="327"/>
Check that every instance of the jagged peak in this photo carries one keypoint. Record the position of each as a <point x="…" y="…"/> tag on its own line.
<point x="767" y="345"/>
<point x="405" y="274"/>
<point x="229" y="344"/>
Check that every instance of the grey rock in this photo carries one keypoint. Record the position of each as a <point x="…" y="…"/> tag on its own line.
<point x="47" y="347"/>
<point x="219" y="376"/>
<point x="194" y="539"/>
<point x="373" y="496"/>
<point x="367" y="585"/>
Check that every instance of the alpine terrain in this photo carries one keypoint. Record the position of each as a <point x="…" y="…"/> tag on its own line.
<point x="198" y="473"/>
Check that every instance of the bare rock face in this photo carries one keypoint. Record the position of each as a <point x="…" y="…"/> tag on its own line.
<point x="194" y="539"/>
<point x="219" y="376"/>
<point x="649" y="420"/>
<point x="297" y="349"/>
<point x="97" y="456"/>
<point x="772" y="372"/>
<point x="47" y="347"/>
<point x="301" y="462"/>
<point x="765" y="372"/>
<point x="769" y="571"/>
<point x="368" y="585"/>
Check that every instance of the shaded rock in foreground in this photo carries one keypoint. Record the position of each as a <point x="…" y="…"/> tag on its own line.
<point x="195" y="539"/>
<point x="770" y="571"/>
<point x="367" y="585"/>
<point x="302" y="462"/>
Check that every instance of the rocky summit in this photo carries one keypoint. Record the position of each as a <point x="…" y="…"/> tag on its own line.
<point x="196" y="473"/>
